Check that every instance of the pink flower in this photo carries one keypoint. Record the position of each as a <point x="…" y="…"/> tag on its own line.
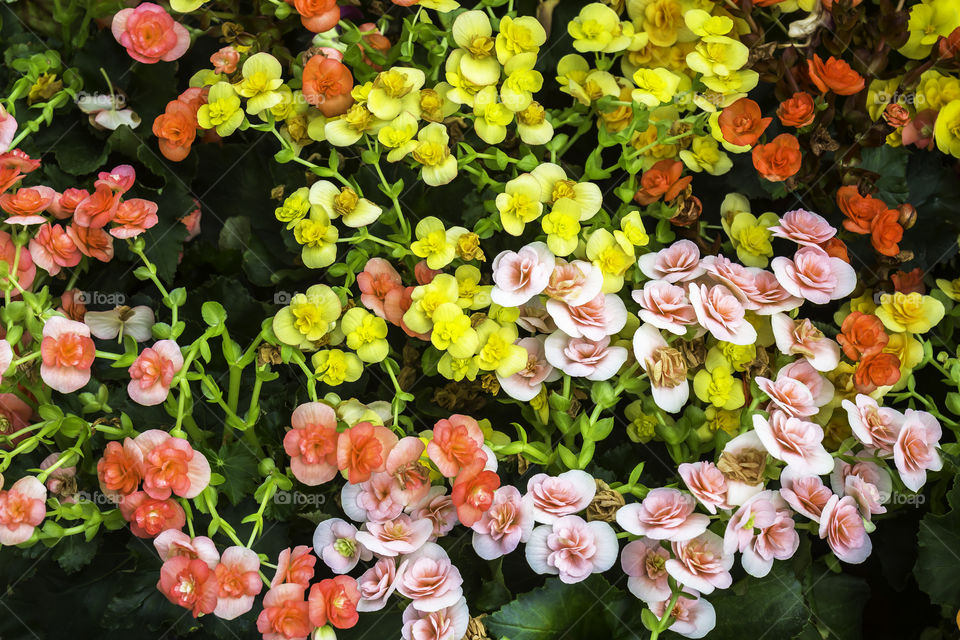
<point x="804" y="227"/>
<point x="311" y="443"/>
<point x="680" y="262"/>
<point x="866" y="481"/>
<point x="915" y="451"/>
<point x="26" y="203"/>
<point x="120" y="179"/>
<point x="378" y="583"/>
<point x="574" y="283"/>
<point x="875" y="426"/>
<point x="583" y="358"/>
<point x="8" y="129"/>
<point x="6" y="357"/>
<point x="842" y="526"/>
<point x="64" y="204"/>
<point x="62" y="481"/>
<point x="170" y="465"/>
<point x="794" y="441"/>
<point x="398" y="537"/>
<point x="134" y="217"/>
<point x="335" y="542"/>
<point x="294" y="566"/>
<point x="769" y="297"/>
<point x="693" y="618"/>
<point x="741" y="281"/>
<point x="665" y="367"/>
<point x="644" y="561"/>
<point x="804" y="339"/>
<point x="762" y="530"/>
<point x="225" y="60"/>
<point x="22" y="509"/>
<point x="411" y="478"/>
<point x="664" y="514"/>
<point x="721" y="313"/>
<point x="518" y="276"/>
<point x="97" y="209"/>
<point x="430" y="579"/>
<point x="173" y="543"/>
<point x="707" y="484"/>
<point x="376" y="281"/>
<point x="665" y="306"/>
<point x="52" y="249"/>
<point x="152" y="372"/>
<point x="806" y="494"/>
<point x="449" y="623"/>
<point x="149" y="34"/>
<point x="238" y="581"/>
<point x="595" y="319"/>
<point x="68" y="353"/>
<point x="437" y="507"/>
<point x="746" y="446"/>
<point x="526" y="384"/>
<point x="17" y="415"/>
<point x="553" y="497"/>
<point x="285" y="615"/>
<point x="372" y="500"/>
<point x="149" y="517"/>
<point x="788" y="395"/>
<point x="701" y="563"/>
<point x="507" y="523"/>
<point x="190" y="584"/>
<point x="820" y="388"/>
<point x="572" y="548"/>
<point x="26" y="269"/>
<point x="455" y="445"/>
<point x="815" y="276"/>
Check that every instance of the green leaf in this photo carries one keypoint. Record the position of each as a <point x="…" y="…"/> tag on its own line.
<point x="938" y="563"/>
<point x="838" y="602"/>
<point x="213" y="313"/>
<point x="777" y="609"/>
<point x="238" y="465"/>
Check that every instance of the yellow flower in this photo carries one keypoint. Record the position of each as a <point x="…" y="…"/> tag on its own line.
<point x="222" y="111"/>
<point x="521" y="83"/>
<point x="435" y="104"/>
<point x="533" y="126"/>
<point x="928" y="21"/>
<point x="732" y="355"/>
<point x="350" y="127"/>
<point x="632" y="227"/>
<point x="909" y="351"/>
<point x="334" y="367"/>
<point x="519" y="203"/>
<point x="950" y="287"/>
<point x="262" y="77"/>
<point x="432" y="151"/>
<point x="472" y="295"/>
<point x="935" y="91"/>
<point x="396" y="91"/>
<point x="503" y="315"/>
<point x="457" y="369"/>
<point x="398" y="135"/>
<point x="462" y="89"/>
<point x="497" y="349"/>
<point x="294" y="207"/>
<point x="719" y="387"/>
<point x="704" y="154"/>
<point x="517" y="36"/>
<point x="734" y="85"/>
<point x="655" y="86"/>
<point x="913" y="312"/>
<point x="751" y="237"/>
<point x="613" y="254"/>
<point x="718" y="56"/>
<point x="598" y="28"/>
<point x="880" y="94"/>
<point x="343" y="203"/>
<point x="662" y="20"/>
<point x="436" y="243"/>
<point x="555" y="185"/>
<point x="427" y="298"/>
<point x="474" y="35"/>
<point x="308" y="317"/>
<point x="642" y="426"/>
<point x="366" y="334"/>
<point x="946" y="131"/>
<point x="443" y="6"/>
<point x="319" y="239"/>
<point x="723" y="420"/>
<point x="452" y="331"/>
<point x="703" y="24"/>
<point x="577" y="79"/>
<point x="865" y="303"/>
<point x="491" y="117"/>
<point x="562" y="226"/>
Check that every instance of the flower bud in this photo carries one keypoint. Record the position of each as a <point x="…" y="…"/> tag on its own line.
<point x="908" y="215"/>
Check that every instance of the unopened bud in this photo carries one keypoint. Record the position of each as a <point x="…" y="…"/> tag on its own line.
<point x="908" y="215"/>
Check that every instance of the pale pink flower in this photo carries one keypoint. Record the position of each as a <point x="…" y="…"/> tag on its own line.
<point x="805" y="494"/>
<point x="378" y="583"/>
<point x="173" y="542"/>
<point x="22" y="509"/>
<point x="335" y="542"/>
<point x="136" y="322"/>
<point x="534" y="317"/>
<point x="664" y="514"/>
<point x="721" y="313"/>
<point x="152" y="372"/>
<point x="595" y="319"/>
<point x="665" y="306"/>
<point x="238" y="582"/>
<point x="680" y="262"/>
<point x="68" y="354"/>
<point x="915" y="451"/>
<point x="8" y="129"/>
<point x="378" y="498"/>
<point x="583" y="358"/>
<point x="736" y="277"/>
<point x="553" y="497"/>
<point x="520" y="275"/>
<point x="120" y="179"/>
<point x="815" y="276"/>
<point x="701" y="563"/>
<point x="398" y="537"/>
<point x="794" y="441"/>
<point x="574" y="283"/>
<point x="644" y="561"/>
<point x="438" y="508"/>
<point x="769" y="296"/>
<point x="572" y="548"/>
<point x="526" y="384"/>
<point x="789" y="396"/>
<point x="746" y="445"/>
<point x="6" y="357"/>
<point x="803" y="227"/>
<point x="801" y="370"/>
<point x="693" y="618"/>
<point x="707" y="484"/>
<point x="411" y="477"/>
<point x="171" y="466"/>
<point x="665" y="367"/>
<point x="803" y="339"/>
<point x="430" y="579"/>
<point x="502" y="527"/>
<point x="448" y="623"/>
<point x="875" y="426"/>
<point x="843" y="528"/>
<point x="763" y="530"/>
<point x="866" y="481"/>
<point x="376" y="281"/>
<point x="311" y="443"/>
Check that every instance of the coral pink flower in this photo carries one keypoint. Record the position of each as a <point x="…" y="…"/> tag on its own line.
<point x="378" y="583"/>
<point x="665" y="306"/>
<point x="376" y="281"/>
<point x="664" y="365"/>
<point x="134" y="217"/>
<point x="664" y="514"/>
<point x="572" y="548"/>
<point x="789" y="395"/>
<point x="170" y="465"/>
<point x="595" y="319"/>
<point x="644" y="561"/>
<point x="398" y="537"/>
<point x="52" y="249"/>
<point x="455" y="445"/>
<point x="915" y="451"/>
<point x="762" y="530"/>
<point x="362" y="450"/>
<point x="553" y="497"/>
<point x="192" y="222"/>
<point x="190" y="584"/>
<point x="741" y="281"/>
<point x="507" y="523"/>
<point x="875" y="426"/>
<point x="152" y="372"/>
<point x="680" y="262"/>
<point x="804" y="339"/>
<point x="693" y="618"/>
<point x="64" y="204"/>
<point x="97" y="209"/>
<point x="119" y="469"/>
<point x="24" y="205"/>
<point x="16" y="416"/>
<point x="574" y="283"/>
<point x="312" y="443"/>
<point x="804" y="227"/>
<point x="294" y="566"/>
<point x="526" y="384"/>
<point x="843" y="528"/>
<point x="62" y="481"/>
<point x="449" y="623"/>
<point x="815" y="276"/>
<point x="334" y="601"/>
<point x="707" y="484"/>
<point x="149" y="34"/>
<point x="238" y="580"/>
<point x="425" y="274"/>
<point x="518" y="276"/>
<point x="430" y="579"/>
<point x="583" y="358"/>
<point x="805" y="494"/>
<point x="472" y="494"/>
<point x="173" y="542"/>
<point x="701" y="563"/>
<point x="68" y="353"/>
<point x="821" y="389"/>
<point x="120" y="179"/>
<point x="769" y="296"/>
<point x="225" y="60"/>
<point x="93" y="243"/>
<point x="72" y="307"/>
<point x="26" y="270"/>
<point x="149" y="517"/>
<point x="794" y="441"/>
<point x="438" y="508"/>
<point x="721" y="313"/>
<point x="411" y="477"/>
<point x="285" y="615"/>
<point x="335" y="542"/>
<point x="22" y="509"/>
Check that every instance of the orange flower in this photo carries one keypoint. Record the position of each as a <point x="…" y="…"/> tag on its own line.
<point x="662" y="179"/>
<point x="742" y="123"/>
<point x="834" y="75"/>
<point x="908" y="281"/>
<point x="859" y="210"/>
<point x="375" y="40"/>
<point x="93" y="243"/>
<point x="334" y="601"/>
<point x="327" y="84"/>
<point x="886" y="232"/>
<point x="836" y="248"/>
<point x="456" y="445"/>
<point x="862" y="334"/>
<point x="362" y="450"/>
<point x="778" y="160"/>
<point x="317" y="15"/>
<point x="876" y="370"/>
<point x="472" y="494"/>
<point x="176" y="128"/>
<point x="797" y="111"/>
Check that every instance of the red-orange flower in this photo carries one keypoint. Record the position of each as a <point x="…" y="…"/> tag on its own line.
<point x="93" y="243"/>
<point x="662" y="179"/>
<point x="886" y="232"/>
<point x="834" y="75"/>
<point x="862" y="334"/>
<point x="327" y="84"/>
<point x="797" y="111"/>
<point x="859" y="210"/>
<point x="472" y="494"/>
<point x="742" y="123"/>
<point x="908" y="281"/>
<point x="334" y="601"/>
<point x="779" y="159"/>
<point x="189" y="583"/>
<point x="836" y="248"/>
<point x="176" y="129"/>
<point x="317" y="15"/>
<point x="362" y="450"/>
<point x="876" y="370"/>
